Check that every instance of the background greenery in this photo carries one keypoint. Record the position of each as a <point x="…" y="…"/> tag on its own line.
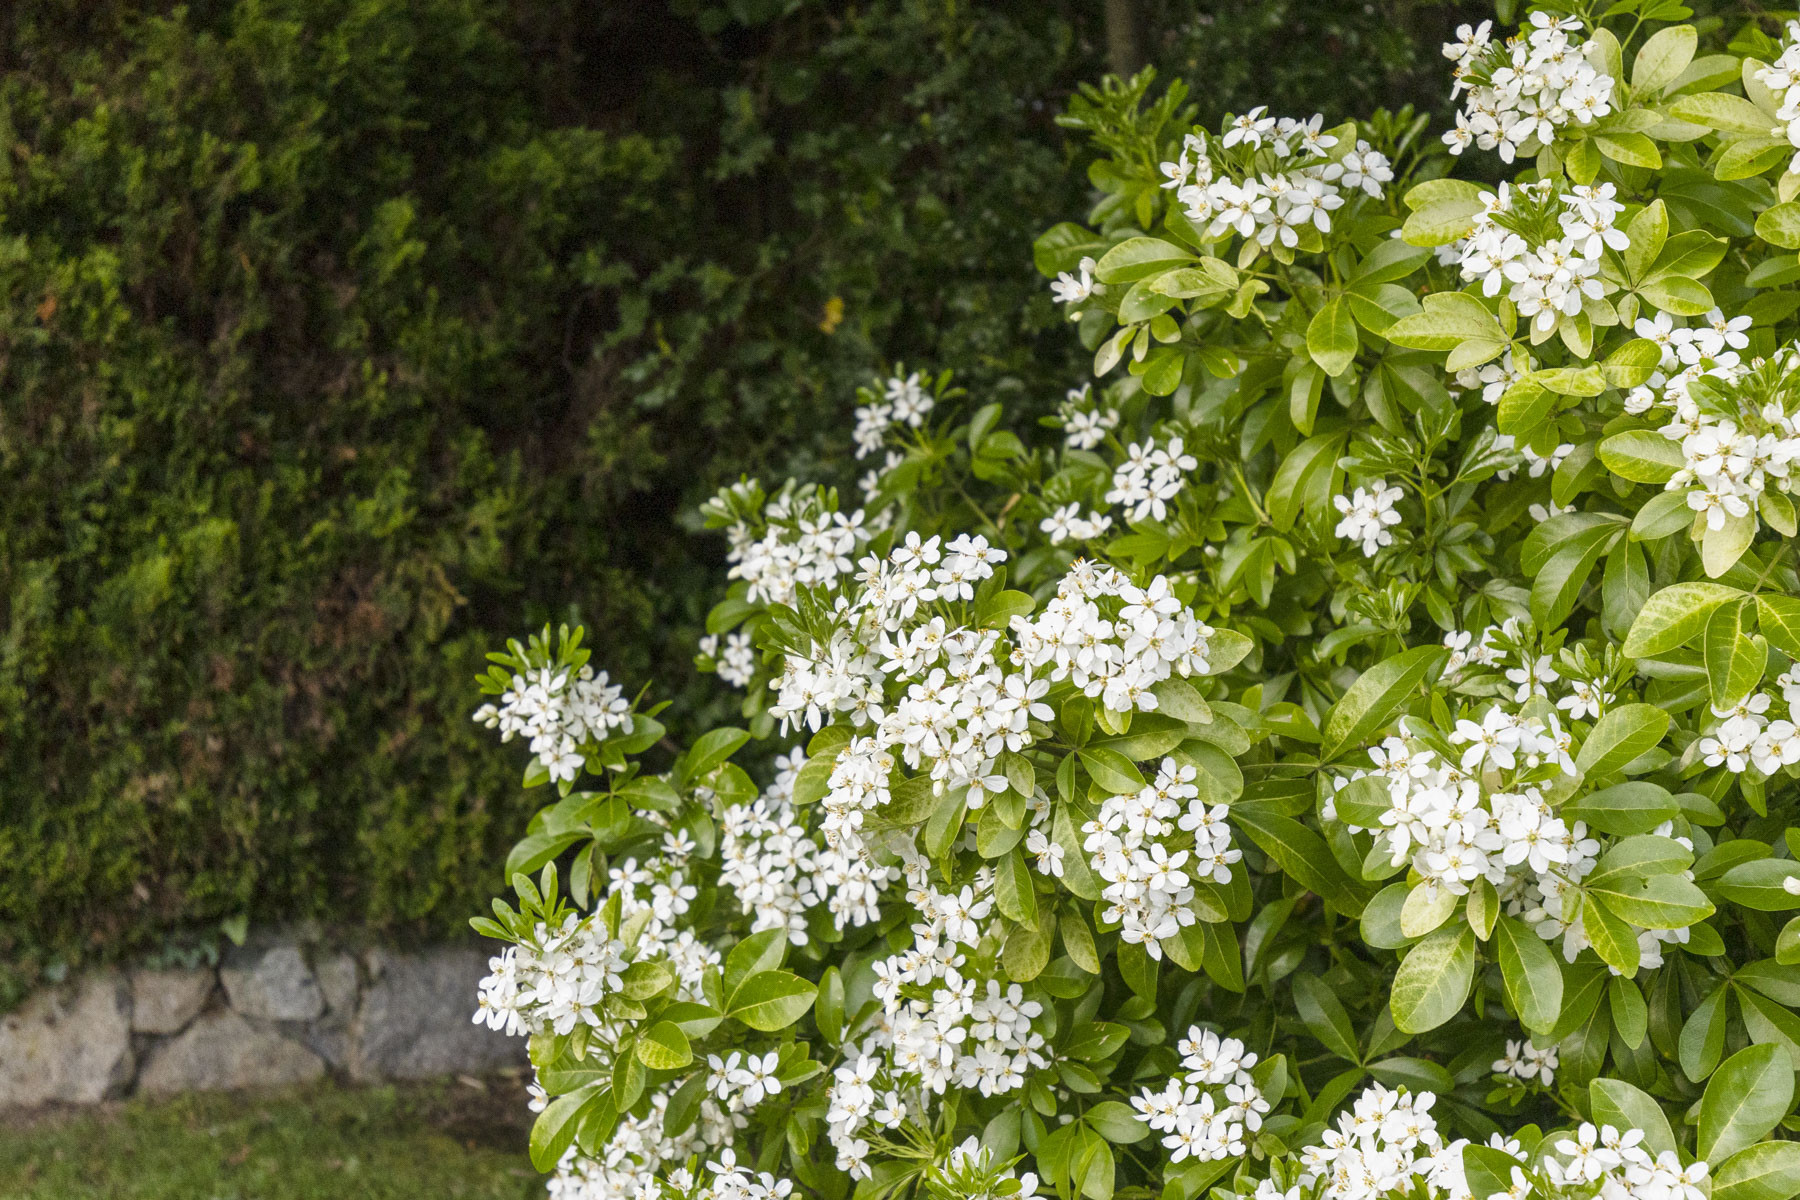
<point x="341" y="338"/>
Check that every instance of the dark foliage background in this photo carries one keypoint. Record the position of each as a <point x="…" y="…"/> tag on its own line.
<point x="340" y="339"/>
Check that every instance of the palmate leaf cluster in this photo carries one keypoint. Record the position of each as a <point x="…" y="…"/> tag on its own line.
<point x="1489" y="715"/>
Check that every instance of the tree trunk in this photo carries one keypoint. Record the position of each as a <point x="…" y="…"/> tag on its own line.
<point x="1124" y="38"/>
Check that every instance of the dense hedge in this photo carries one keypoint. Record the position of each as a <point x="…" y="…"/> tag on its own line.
<point x="320" y="320"/>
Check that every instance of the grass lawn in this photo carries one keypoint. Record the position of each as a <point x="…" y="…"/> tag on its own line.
<point x="414" y="1142"/>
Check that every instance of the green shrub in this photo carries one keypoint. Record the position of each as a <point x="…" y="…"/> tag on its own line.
<point x="337" y="335"/>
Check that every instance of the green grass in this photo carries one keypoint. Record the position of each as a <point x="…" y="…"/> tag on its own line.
<point x="417" y="1142"/>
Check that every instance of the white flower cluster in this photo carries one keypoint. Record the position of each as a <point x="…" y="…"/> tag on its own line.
<point x="1150" y="477"/>
<point x="1204" y="1112"/>
<point x="1073" y="289"/>
<point x="1066" y="524"/>
<point x="632" y="1163"/>
<point x="779" y="871"/>
<point x="970" y="1173"/>
<point x="1118" y="653"/>
<point x="735" y="661"/>
<point x="729" y="1180"/>
<point x="1739" y="440"/>
<point x="1270" y="198"/>
<point x="1149" y="894"/>
<point x="1783" y="78"/>
<point x="1527" y="1062"/>
<point x="1085" y="420"/>
<point x="1368" y="515"/>
<point x="941" y="1025"/>
<point x="905" y="402"/>
<point x="1745" y="736"/>
<point x="1479" y="818"/>
<point x="1623" y="1169"/>
<point x="1386" y="1142"/>
<point x="803" y="541"/>
<point x="1523" y="90"/>
<point x="1543" y="247"/>
<point x="557" y="711"/>
<point x="561" y="978"/>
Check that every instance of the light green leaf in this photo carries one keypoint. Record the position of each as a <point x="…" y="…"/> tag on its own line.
<point x="1619" y="736"/>
<point x="1723" y="111"/>
<point x="1642" y="456"/>
<point x="1673" y="616"/>
<point x="1442" y="211"/>
<point x="1331" y="337"/>
<point x="1780" y="226"/>
<point x="1617" y="1103"/>
<point x="1662" y="58"/>
<point x="1376" y="695"/>
<point x="1763" y="1171"/>
<point x="1434" y="979"/>
<point x="1448" y="320"/>
<point x="770" y="1000"/>
<point x="1112" y="770"/>
<point x="664" y="1047"/>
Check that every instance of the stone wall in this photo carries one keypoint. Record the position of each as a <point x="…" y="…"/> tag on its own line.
<point x="276" y="1011"/>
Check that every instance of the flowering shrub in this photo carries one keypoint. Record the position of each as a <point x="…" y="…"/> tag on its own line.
<point x="1358" y="761"/>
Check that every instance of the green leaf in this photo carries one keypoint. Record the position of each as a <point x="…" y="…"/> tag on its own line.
<point x="1659" y="902"/>
<point x="1734" y="661"/>
<point x="1449" y="319"/>
<point x="1112" y="770"/>
<point x="1613" y="939"/>
<point x="1061" y="248"/>
<point x="1523" y="407"/>
<point x="1026" y="951"/>
<point x="1116" y="1123"/>
<point x="1642" y="456"/>
<point x="1759" y="884"/>
<point x="1626" y="808"/>
<point x="713" y="748"/>
<point x="1632" y="149"/>
<point x="1013" y="891"/>
<point x="1677" y="294"/>
<point x="1780" y="226"/>
<point x="1324" y="1015"/>
<point x="770" y="1000"/>
<point x="664" y="1047"/>
<point x="1630" y="1015"/>
<point x="1703" y="1036"/>
<point x="1764" y="1171"/>
<point x="1299" y="851"/>
<point x="1442" y="211"/>
<point x="555" y="1127"/>
<point x="1138" y="258"/>
<point x="1674" y="615"/>
<point x="1331" y="337"/>
<point x="754" y="954"/>
<point x="1533" y="981"/>
<point x="1778" y="618"/>
<point x="1376" y="695"/>
<point x="1434" y="979"/>
<point x="828" y="1009"/>
<point x="1723" y="111"/>
<point x="1660" y="60"/>
<point x="1621" y="735"/>
<point x="1617" y="1103"/>
<point x="1745" y="1099"/>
